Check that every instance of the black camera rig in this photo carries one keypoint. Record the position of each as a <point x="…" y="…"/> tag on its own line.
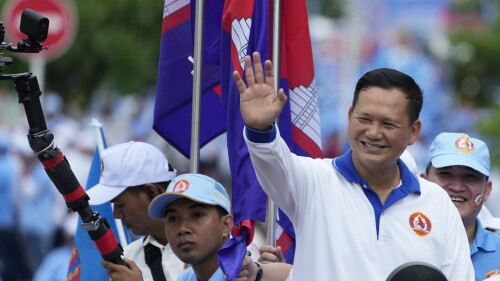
<point x="41" y="140"/>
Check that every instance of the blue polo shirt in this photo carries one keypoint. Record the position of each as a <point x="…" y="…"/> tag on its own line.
<point x="485" y="253"/>
<point x="188" y="275"/>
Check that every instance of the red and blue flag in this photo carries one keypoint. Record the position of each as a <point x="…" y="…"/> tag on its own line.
<point x="247" y="28"/>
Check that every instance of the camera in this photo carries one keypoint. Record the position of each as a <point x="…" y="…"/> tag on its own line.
<point x="34" y="25"/>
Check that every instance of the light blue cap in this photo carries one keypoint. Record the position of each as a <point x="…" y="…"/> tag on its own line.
<point x="458" y="149"/>
<point x="196" y="187"/>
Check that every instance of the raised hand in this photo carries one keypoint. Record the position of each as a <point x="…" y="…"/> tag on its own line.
<point x="258" y="102"/>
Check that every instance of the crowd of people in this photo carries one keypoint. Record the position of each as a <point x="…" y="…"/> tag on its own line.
<point x="399" y="217"/>
<point x="399" y="212"/>
<point x="34" y="217"/>
<point x="182" y="222"/>
<point x="34" y="213"/>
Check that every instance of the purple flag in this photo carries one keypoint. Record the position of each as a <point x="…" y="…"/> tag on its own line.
<point x="173" y="108"/>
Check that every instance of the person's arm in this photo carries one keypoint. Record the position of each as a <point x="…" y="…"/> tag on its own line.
<point x="280" y="173"/>
<point x="122" y="273"/>
<point x="276" y="271"/>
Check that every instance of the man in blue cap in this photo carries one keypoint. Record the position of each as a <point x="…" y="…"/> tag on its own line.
<point x="198" y="222"/>
<point x="460" y="164"/>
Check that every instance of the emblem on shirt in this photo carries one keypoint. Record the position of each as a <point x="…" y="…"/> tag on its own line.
<point x="420" y="224"/>
<point x="181" y="186"/>
<point x="464" y="144"/>
<point x="492" y="273"/>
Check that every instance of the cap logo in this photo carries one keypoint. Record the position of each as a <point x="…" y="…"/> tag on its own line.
<point x="102" y="167"/>
<point x="492" y="273"/>
<point x="420" y="224"/>
<point x="181" y="186"/>
<point x="464" y="144"/>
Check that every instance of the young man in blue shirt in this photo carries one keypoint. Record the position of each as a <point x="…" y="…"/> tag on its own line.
<point x="198" y="222"/>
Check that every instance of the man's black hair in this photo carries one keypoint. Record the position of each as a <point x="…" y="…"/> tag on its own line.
<point x="387" y="78"/>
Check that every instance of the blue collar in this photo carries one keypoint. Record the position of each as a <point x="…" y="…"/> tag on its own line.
<point x="409" y="184"/>
<point x="484" y="239"/>
<point x="345" y="166"/>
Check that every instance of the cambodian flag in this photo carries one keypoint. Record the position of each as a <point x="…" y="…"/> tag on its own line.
<point x="247" y="28"/>
<point x="173" y="107"/>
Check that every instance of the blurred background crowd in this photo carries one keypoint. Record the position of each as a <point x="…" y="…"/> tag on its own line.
<point x="449" y="47"/>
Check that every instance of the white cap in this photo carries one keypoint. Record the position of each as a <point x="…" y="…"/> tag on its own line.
<point x="129" y="164"/>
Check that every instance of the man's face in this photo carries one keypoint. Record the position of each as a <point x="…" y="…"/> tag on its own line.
<point x="467" y="188"/>
<point x="132" y="209"/>
<point x="379" y="129"/>
<point x="195" y="231"/>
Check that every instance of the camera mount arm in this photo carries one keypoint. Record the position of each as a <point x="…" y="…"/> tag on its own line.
<point x="41" y="140"/>
<point x="59" y="171"/>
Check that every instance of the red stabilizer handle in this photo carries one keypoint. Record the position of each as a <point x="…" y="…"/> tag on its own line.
<point x="59" y="171"/>
<point x="107" y="243"/>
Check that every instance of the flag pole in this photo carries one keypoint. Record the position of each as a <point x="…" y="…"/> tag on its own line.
<point x="197" y="72"/>
<point x="99" y="136"/>
<point x="272" y="210"/>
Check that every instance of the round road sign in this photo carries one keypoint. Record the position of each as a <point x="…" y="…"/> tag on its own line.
<point x="62" y="23"/>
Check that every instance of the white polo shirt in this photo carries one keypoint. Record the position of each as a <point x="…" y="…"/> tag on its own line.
<point x="343" y="232"/>
<point x="172" y="265"/>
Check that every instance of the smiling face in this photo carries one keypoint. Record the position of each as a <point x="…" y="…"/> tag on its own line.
<point x="467" y="188"/>
<point x="379" y="129"/>
<point x="196" y="231"/>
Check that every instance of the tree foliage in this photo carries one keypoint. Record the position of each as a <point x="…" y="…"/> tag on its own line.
<point x="476" y="64"/>
<point x="333" y="9"/>
<point x="475" y="68"/>
<point x="116" y="47"/>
